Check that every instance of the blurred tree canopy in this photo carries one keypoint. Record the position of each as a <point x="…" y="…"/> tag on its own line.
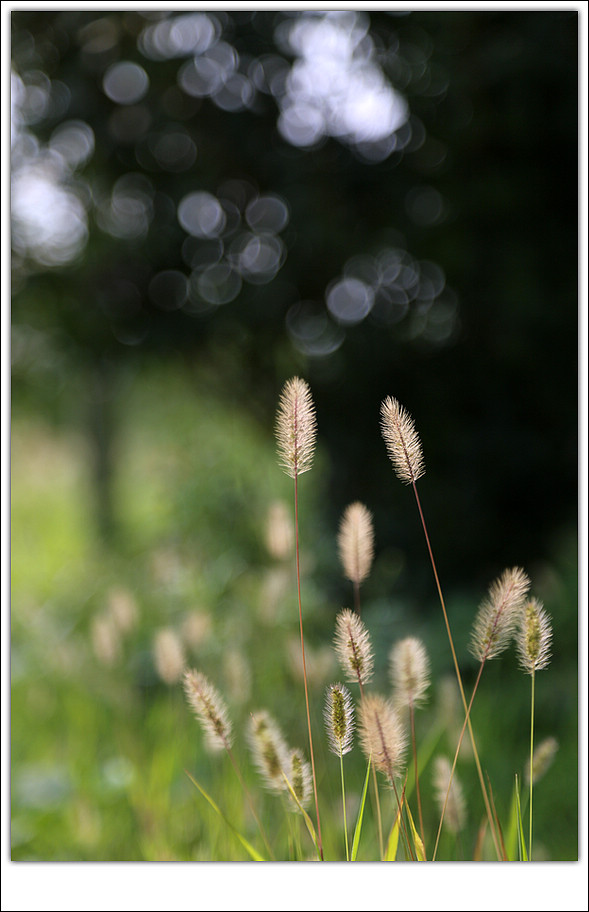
<point x="384" y="202"/>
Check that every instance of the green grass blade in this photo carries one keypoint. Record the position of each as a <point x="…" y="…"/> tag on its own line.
<point x="419" y="846"/>
<point x="522" y="842"/>
<point x="247" y="846"/>
<point x="393" y="841"/>
<point x="511" y="842"/>
<point x="358" y="829"/>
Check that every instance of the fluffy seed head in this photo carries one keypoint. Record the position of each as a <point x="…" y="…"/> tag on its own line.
<point x="534" y="637"/>
<point x="409" y="668"/>
<point x="353" y="648"/>
<point x="296" y="427"/>
<point x="543" y="756"/>
<point x="356" y="542"/>
<point x="168" y="654"/>
<point x="269" y="749"/>
<point x="339" y="719"/>
<point x="499" y="614"/>
<point x="381" y="735"/>
<point x="402" y="441"/>
<point x="300" y="778"/>
<point x="455" y="813"/>
<point x="210" y="709"/>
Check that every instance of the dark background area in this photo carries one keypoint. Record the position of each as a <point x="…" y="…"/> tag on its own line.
<point x="493" y="122"/>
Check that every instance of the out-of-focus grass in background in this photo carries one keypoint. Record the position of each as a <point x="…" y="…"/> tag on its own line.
<point x="101" y="734"/>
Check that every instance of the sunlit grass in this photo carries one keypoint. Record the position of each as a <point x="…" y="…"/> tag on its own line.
<point x="100" y="743"/>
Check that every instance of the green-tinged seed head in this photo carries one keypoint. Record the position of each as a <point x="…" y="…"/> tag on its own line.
<point x="339" y="719"/>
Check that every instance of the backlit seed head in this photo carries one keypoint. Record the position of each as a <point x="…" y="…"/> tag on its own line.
<point x="353" y="648"/>
<point x="269" y="749"/>
<point x="168" y="654"/>
<point x="543" y="757"/>
<point x="339" y="719"/>
<point x="499" y="614"/>
<point x="356" y="542"/>
<point x="381" y="735"/>
<point x="409" y="668"/>
<point x="402" y="441"/>
<point x="534" y="637"/>
<point x="455" y="813"/>
<point x="296" y="427"/>
<point x="209" y="708"/>
<point x="300" y="778"/>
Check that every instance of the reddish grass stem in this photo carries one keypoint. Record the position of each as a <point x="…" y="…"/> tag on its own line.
<point x="458" y="676"/>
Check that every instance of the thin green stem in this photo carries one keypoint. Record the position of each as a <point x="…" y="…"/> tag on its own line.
<point x="532" y="759"/>
<point x="304" y="664"/>
<point x="459" y="677"/>
<point x="341" y="764"/>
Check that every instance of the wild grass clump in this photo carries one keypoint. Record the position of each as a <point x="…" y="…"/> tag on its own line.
<point x="408" y="801"/>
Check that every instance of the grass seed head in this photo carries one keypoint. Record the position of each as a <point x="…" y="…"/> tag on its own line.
<point x="339" y="719"/>
<point x="455" y="813"/>
<point x="499" y="614"/>
<point x="402" y="441"/>
<point x="300" y="778"/>
<point x="168" y="653"/>
<point x="543" y="757"/>
<point x="353" y="647"/>
<point x="296" y="427"/>
<point x="409" y="669"/>
<point x="209" y="708"/>
<point x="269" y="749"/>
<point x="381" y="735"/>
<point x="534" y="637"/>
<point x="356" y="542"/>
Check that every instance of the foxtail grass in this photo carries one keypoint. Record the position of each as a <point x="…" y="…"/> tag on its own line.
<point x="493" y="629"/>
<point x="296" y="431"/>
<point x="382" y="725"/>
<point x="405" y="451"/>
<point x="534" y="639"/>
<point x="356" y="546"/>
<point x="409" y="669"/>
<point x="211" y="710"/>
<point x="339" y="724"/>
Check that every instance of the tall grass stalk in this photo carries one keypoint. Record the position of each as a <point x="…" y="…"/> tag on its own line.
<point x="296" y="428"/>
<point x="339" y="722"/>
<point x="533" y="643"/>
<point x="209" y="707"/>
<point x="354" y="650"/>
<point x="494" y="626"/>
<point x="405" y="451"/>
